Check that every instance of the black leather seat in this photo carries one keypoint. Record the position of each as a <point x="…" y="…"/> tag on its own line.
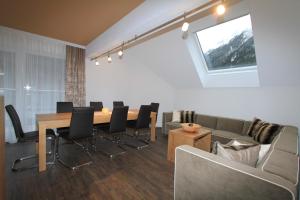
<point x="63" y="107"/>
<point x="98" y="106"/>
<point x="81" y="129"/>
<point x="26" y="137"/>
<point x="118" y="104"/>
<point x="138" y="125"/>
<point x="110" y="145"/>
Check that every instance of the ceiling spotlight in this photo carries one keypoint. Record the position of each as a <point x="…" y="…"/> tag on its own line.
<point x="120" y="53"/>
<point x="97" y="63"/>
<point x="221" y="9"/>
<point x="109" y="59"/>
<point x="185" y="28"/>
<point x="185" y="25"/>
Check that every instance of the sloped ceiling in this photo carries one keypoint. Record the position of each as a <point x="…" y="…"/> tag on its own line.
<point x="169" y="58"/>
<point x="275" y="26"/>
<point x="75" y="21"/>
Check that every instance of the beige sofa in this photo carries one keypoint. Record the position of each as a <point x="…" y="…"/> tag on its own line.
<point x="203" y="175"/>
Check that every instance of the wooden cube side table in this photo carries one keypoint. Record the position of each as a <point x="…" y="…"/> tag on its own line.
<point x="177" y="137"/>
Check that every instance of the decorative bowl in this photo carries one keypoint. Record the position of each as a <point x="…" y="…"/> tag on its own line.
<point x="190" y="127"/>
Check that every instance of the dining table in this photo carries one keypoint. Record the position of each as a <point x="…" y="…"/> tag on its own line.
<point x="60" y="120"/>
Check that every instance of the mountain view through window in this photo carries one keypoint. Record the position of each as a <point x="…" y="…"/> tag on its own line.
<point x="228" y="45"/>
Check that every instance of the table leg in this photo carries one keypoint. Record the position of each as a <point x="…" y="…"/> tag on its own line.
<point x="42" y="148"/>
<point x="153" y="124"/>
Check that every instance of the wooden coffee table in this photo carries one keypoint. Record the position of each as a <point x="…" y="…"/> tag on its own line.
<point x="177" y="137"/>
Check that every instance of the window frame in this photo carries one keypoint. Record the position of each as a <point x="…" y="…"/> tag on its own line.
<point x="228" y="70"/>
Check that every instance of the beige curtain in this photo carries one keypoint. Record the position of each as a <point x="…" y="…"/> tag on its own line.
<point x="75" y="76"/>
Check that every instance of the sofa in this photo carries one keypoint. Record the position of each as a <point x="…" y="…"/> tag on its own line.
<point x="203" y="175"/>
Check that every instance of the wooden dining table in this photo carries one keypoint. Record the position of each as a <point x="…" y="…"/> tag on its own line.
<point x="59" y="120"/>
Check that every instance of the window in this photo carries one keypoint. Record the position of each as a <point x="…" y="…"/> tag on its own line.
<point x="229" y="45"/>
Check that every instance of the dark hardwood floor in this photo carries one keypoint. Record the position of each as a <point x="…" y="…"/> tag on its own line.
<point x="137" y="174"/>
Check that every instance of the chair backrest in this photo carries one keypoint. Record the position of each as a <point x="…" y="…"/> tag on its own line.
<point x="118" y="120"/>
<point x="143" y="119"/>
<point x="96" y="105"/>
<point x="81" y="125"/>
<point x="154" y="108"/>
<point x="63" y="107"/>
<point x="15" y="121"/>
<point x="118" y="104"/>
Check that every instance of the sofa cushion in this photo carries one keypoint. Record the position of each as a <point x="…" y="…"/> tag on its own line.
<point x="206" y="120"/>
<point x="287" y="140"/>
<point x="173" y="125"/>
<point x="225" y="134"/>
<point x="246" y="127"/>
<point x="283" y="164"/>
<point x="247" y="139"/>
<point x="262" y="131"/>
<point x="232" y="125"/>
<point x="176" y="116"/>
<point x="242" y="152"/>
<point x="187" y="116"/>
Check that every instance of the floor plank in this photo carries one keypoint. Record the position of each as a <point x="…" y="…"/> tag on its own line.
<point x="143" y="174"/>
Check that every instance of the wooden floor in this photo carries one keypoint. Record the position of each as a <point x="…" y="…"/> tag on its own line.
<point x="143" y="174"/>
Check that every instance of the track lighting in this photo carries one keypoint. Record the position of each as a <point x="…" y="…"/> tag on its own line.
<point x="221" y="9"/>
<point x="218" y="5"/>
<point x="109" y="58"/>
<point x="97" y="63"/>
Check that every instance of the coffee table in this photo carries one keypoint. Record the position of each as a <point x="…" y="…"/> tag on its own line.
<point x="177" y="137"/>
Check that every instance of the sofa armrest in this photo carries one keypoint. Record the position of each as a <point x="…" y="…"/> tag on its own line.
<point x="202" y="175"/>
<point x="167" y="117"/>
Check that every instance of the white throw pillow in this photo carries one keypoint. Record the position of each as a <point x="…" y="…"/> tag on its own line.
<point x="176" y="116"/>
<point x="264" y="149"/>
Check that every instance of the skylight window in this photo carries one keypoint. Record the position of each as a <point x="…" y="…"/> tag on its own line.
<point x="229" y="45"/>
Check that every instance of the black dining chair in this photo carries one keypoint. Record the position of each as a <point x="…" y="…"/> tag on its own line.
<point x="98" y="106"/>
<point x="142" y="123"/>
<point x="63" y="107"/>
<point x="154" y="108"/>
<point x="110" y="145"/>
<point x="27" y="137"/>
<point x="118" y="104"/>
<point x="80" y="134"/>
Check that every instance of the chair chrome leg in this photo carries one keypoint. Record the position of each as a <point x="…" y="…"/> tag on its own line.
<point x="57" y="157"/>
<point x="14" y="167"/>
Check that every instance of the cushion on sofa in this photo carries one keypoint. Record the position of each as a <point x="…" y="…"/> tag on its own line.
<point x="246" y="127"/>
<point x="245" y="153"/>
<point x="176" y="116"/>
<point x="287" y="140"/>
<point x="232" y="125"/>
<point x="187" y="116"/>
<point x="283" y="164"/>
<point x="262" y="131"/>
<point x="206" y="121"/>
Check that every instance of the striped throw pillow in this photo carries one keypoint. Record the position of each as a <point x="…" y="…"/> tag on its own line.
<point x="187" y="116"/>
<point x="263" y="132"/>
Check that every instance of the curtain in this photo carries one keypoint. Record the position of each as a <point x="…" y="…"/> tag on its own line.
<point x="75" y="76"/>
<point x="32" y="73"/>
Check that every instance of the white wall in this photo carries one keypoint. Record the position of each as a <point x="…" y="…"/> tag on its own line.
<point x="129" y="81"/>
<point x="275" y="104"/>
